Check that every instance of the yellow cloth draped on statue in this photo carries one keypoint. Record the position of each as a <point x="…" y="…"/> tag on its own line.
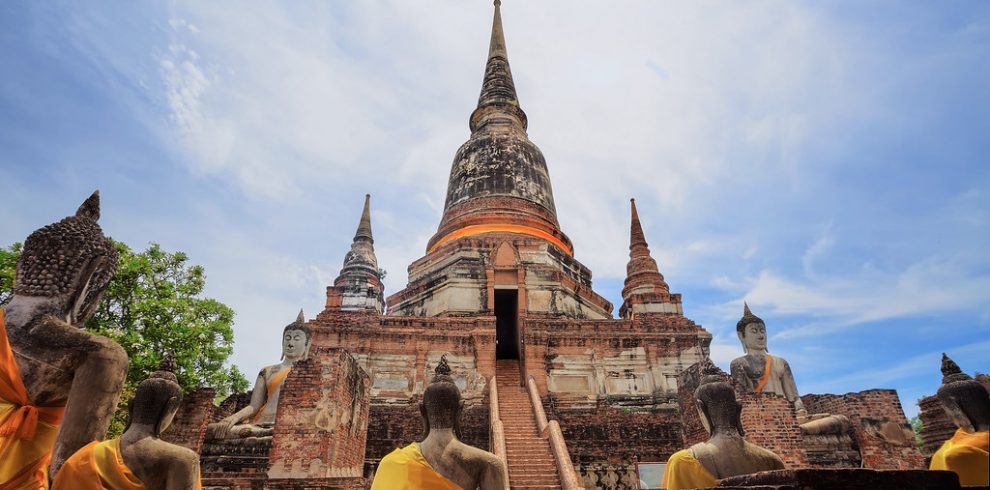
<point x="27" y="432"/>
<point x="273" y="384"/>
<point x="968" y="455"/>
<point x="407" y="469"/>
<point x="97" y="466"/>
<point x="684" y="471"/>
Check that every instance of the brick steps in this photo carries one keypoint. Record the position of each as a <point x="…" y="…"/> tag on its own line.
<point x="530" y="460"/>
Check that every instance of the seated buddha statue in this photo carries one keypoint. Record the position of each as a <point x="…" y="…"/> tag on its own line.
<point x="758" y="371"/>
<point x="440" y="461"/>
<point x="967" y="403"/>
<point x="59" y="384"/>
<point x="254" y="423"/>
<point x="138" y="459"/>
<point x="726" y="453"/>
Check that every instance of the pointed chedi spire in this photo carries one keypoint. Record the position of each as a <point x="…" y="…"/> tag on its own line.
<point x="359" y="287"/>
<point x="364" y="226"/>
<point x="645" y="289"/>
<point x="499" y="181"/>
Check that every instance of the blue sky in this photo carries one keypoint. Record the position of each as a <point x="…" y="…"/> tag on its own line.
<point x="826" y="163"/>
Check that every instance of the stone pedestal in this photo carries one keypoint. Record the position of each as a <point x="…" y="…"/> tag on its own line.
<point x="847" y="479"/>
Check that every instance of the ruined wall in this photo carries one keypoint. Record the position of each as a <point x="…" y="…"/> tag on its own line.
<point x="189" y="425"/>
<point x="399" y="354"/>
<point x="882" y="433"/>
<point x="770" y="422"/>
<point x="322" y="418"/>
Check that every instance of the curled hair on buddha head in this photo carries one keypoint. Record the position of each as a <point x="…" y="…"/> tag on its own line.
<point x="57" y="260"/>
<point x="156" y="397"/>
<point x="442" y="399"/>
<point x="717" y="399"/>
<point x="299" y="324"/>
<point x="963" y="395"/>
<point x="747" y="318"/>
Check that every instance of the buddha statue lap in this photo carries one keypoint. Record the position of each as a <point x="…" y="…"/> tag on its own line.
<point x="726" y="453"/>
<point x="252" y="425"/>
<point x="59" y="384"/>
<point x="967" y="403"/>
<point x="138" y="459"/>
<point x="440" y="461"/>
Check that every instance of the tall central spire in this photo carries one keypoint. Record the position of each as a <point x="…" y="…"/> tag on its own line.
<point x="499" y="181"/>
<point x="498" y="91"/>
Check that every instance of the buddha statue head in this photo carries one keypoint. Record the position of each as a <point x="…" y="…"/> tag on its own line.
<point x="67" y="265"/>
<point x="963" y="398"/>
<point x="716" y="401"/>
<point x="752" y="332"/>
<point x="296" y="338"/>
<point x="442" y="404"/>
<point x="156" y="399"/>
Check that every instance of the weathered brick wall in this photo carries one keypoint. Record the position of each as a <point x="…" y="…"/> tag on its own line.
<point x="322" y="418"/>
<point x="882" y="433"/>
<point x="936" y="428"/>
<point x="606" y="441"/>
<point x="770" y="422"/>
<point x="189" y="426"/>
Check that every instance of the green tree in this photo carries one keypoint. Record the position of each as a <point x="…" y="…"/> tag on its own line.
<point x="917" y="426"/>
<point x="154" y="304"/>
<point x="8" y="270"/>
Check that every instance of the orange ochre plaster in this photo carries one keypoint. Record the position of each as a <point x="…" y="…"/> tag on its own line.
<point x="500" y="228"/>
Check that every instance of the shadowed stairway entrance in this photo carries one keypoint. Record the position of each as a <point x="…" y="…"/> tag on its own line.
<point x="531" y="464"/>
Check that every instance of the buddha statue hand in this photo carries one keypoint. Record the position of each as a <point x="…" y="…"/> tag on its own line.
<point x="220" y="430"/>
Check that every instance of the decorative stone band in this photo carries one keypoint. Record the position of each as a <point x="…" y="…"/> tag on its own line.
<point x="501" y="228"/>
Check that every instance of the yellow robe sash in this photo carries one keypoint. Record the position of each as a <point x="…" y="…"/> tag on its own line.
<point x="684" y="471"/>
<point x="407" y="469"/>
<point x="273" y="384"/>
<point x="766" y="375"/>
<point x="27" y="432"/>
<point x="968" y="455"/>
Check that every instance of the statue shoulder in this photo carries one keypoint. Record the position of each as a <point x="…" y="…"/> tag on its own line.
<point x="737" y="363"/>
<point x="769" y="458"/>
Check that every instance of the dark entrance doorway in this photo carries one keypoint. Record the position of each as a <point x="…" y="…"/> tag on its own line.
<point x="506" y="324"/>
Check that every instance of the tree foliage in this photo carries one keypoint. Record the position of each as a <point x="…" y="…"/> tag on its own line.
<point x="917" y="426"/>
<point x="8" y="270"/>
<point x="154" y="304"/>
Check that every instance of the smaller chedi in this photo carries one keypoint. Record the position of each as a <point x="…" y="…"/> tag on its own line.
<point x="440" y="461"/>
<point x="967" y="403"/>
<point x="758" y="371"/>
<point x="59" y="384"/>
<point x="726" y="453"/>
<point x="253" y="424"/>
<point x="138" y="459"/>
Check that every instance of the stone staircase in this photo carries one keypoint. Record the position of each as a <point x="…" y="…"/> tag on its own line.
<point x="531" y="464"/>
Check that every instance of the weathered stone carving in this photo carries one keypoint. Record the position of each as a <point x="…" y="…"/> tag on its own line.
<point x="252" y="425"/>
<point x="726" y="453"/>
<point x="967" y="403"/>
<point x="139" y="451"/>
<point x="449" y="460"/>
<point x="61" y="275"/>
<point x="758" y="371"/>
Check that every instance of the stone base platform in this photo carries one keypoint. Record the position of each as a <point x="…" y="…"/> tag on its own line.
<point x="848" y="479"/>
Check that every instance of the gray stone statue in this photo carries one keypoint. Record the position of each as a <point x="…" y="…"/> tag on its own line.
<point x="967" y="403"/>
<point x="758" y="371"/>
<point x="254" y="423"/>
<point x="726" y="453"/>
<point x="139" y="451"/>
<point x="61" y="275"/>
<point x="449" y="459"/>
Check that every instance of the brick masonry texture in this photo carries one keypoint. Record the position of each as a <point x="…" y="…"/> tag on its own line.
<point x="189" y="425"/>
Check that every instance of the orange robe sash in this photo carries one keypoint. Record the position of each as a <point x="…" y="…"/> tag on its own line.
<point x="766" y="375"/>
<point x="273" y="384"/>
<point x="97" y="466"/>
<point x="27" y="432"/>
<point x="407" y="469"/>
